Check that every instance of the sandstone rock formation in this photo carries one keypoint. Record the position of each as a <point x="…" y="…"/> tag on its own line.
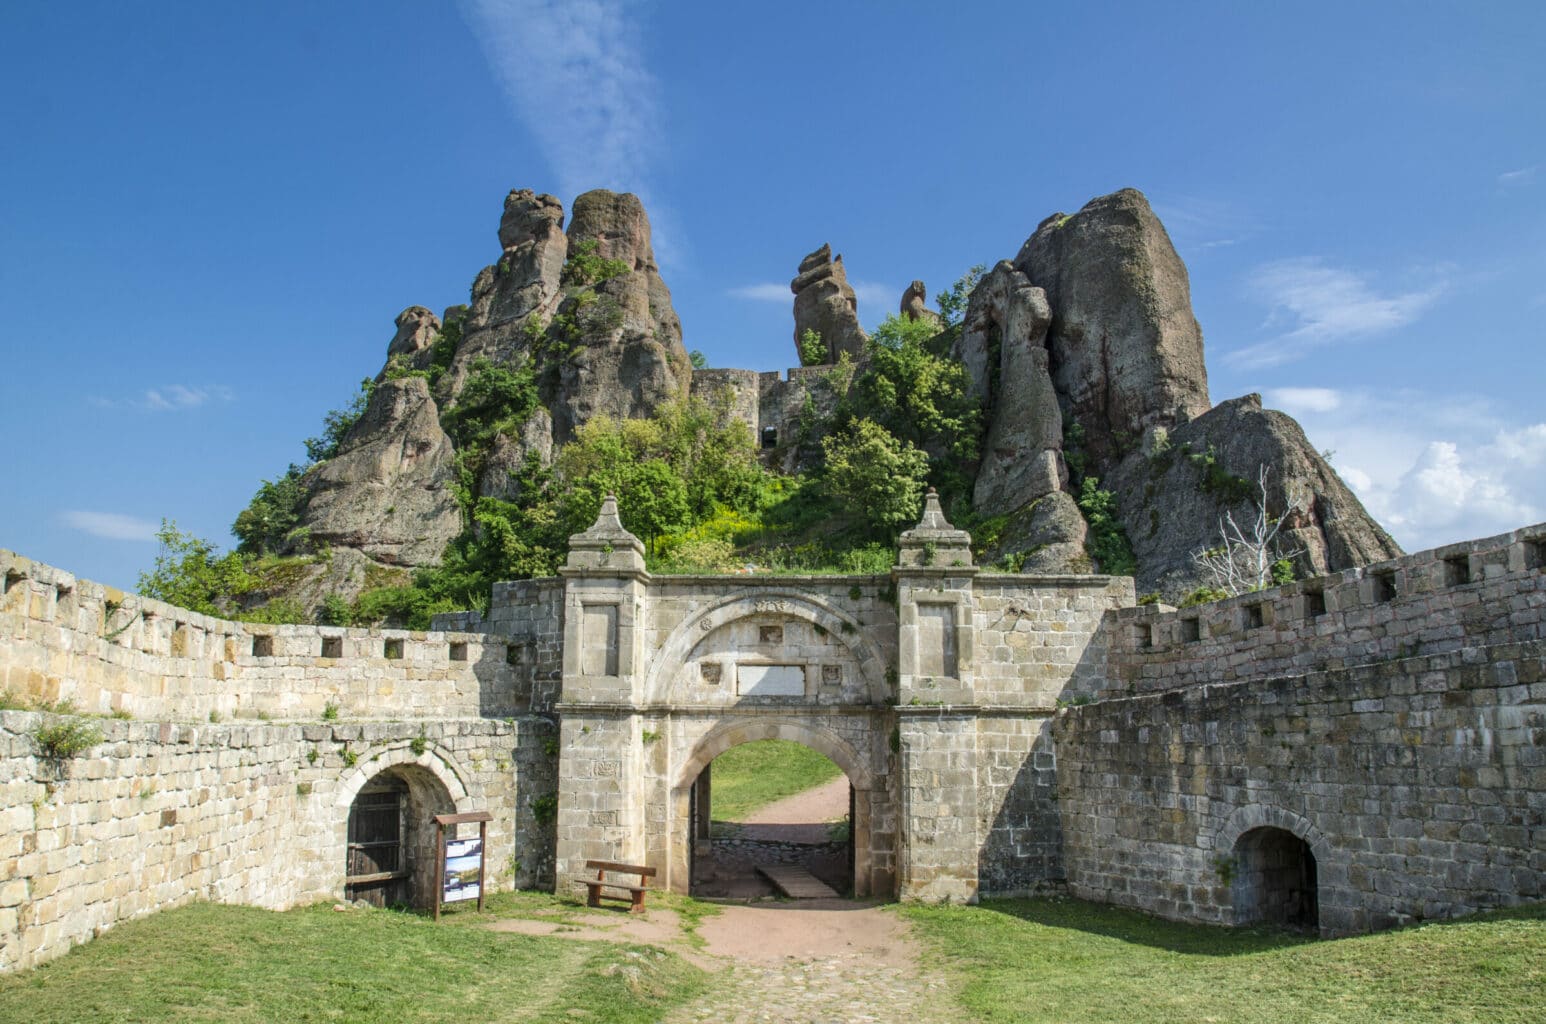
<point x="1003" y="347"/>
<point x="387" y="493"/>
<point x="825" y="303"/>
<point x="915" y="304"/>
<point x="626" y="355"/>
<point x="1092" y="325"/>
<point x="417" y="329"/>
<point x="1170" y="500"/>
<point x="1125" y="347"/>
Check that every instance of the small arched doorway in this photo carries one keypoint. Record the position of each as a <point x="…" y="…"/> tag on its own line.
<point x="764" y="806"/>
<point x="1275" y="879"/>
<point x="391" y="841"/>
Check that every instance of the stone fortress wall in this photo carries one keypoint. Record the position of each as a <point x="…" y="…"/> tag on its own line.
<point x="1392" y="719"/>
<point x="1002" y="733"/>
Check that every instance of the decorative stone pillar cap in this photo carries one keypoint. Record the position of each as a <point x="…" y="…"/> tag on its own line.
<point x="607" y="545"/>
<point x="934" y="542"/>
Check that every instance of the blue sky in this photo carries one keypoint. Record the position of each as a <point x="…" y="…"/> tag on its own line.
<point x="212" y="213"/>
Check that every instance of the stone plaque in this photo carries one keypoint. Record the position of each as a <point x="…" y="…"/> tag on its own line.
<point x="770" y="680"/>
<point x="770" y="634"/>
<point x="710" y="670"/>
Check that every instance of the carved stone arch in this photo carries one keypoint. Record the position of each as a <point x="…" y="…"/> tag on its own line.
<point x="733" y="733"/>
<point x="1253" y="816"/>
<point x="437" y="760"/>
<point x="678" y="648"/>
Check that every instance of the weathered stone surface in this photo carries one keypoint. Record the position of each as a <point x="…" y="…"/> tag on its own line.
<point x="1126" y="349"/>
<point x="915" y="304"/>
<point x="1170" y="510"/>
<point x="824" y="302"/>
<point x="417" y="329"/>
<point x="524" y="283"/>
<point x="1003" y="347"/>
<point x="509" y="455"/>
<point x="1046" y="536"/>
<point x="387" y="493"/>
<point x="628" y="357"/>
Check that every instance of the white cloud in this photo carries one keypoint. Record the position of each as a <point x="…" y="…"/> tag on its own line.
<point x="1320" y="305"/>
<point x="1197" y="223"/>
<point x="574" y="72"/>
<point x="1433" y="470"/>
<point x="1296" y="401"/>
<point x="169" y="398"/>
<point x="869" y="293"/>
<point x="1520" y="178"/>
<point x="111" y="525"/>
<point x="767" y="291"/>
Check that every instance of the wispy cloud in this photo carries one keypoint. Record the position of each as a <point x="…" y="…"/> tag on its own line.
<point x="870" y="294"/>
<point x="1197" y="223"/>
<point x="1520" y="178"/>
<point x="766" y="291"/>
<point x="1297" y="401"/>
<point x="574" y="72"/>
<point x="111" y="525"/>
<point x="1321" y="305"/>
<point x="169" y="398"/>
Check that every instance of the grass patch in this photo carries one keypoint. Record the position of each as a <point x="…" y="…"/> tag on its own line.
<point x="1083" y="963"/>
<point x="753" y="775"/>
<point x="207" y="962"/>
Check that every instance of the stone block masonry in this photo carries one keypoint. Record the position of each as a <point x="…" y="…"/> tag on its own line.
<point x="160" y="814"/>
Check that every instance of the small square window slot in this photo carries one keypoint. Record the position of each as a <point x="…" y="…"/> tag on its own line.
<point x="1191" y="630"/>
<point x="1251" y="616"/>
<point x="1384" y="587"/>
<point x="1535" y="553"/>
<point x="513" y="654"/>
<point x="392" y="649"/>
<point x="332" y="647"/>
<point x="458" y="651"/>
<point x="263" y="646"/>
<point x="1143" y="635"/>
<point x="1457" y="571"/>
<point x="1314" y="604"/>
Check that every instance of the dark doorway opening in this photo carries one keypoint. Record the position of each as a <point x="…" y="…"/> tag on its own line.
<point x="1275" y="880"/>
<point x="391" y="840"/>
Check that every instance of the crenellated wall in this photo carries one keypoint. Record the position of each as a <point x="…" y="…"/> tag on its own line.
<point x="1478" y="593"/>
<point x="67" y="639"/>
<point x="1392" y="720"/>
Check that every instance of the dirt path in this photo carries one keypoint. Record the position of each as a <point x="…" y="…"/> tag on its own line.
<point x="800" y="818"/>
<point x="826" y="961"/>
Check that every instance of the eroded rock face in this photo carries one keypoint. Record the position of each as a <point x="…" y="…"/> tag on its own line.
<point x="1003" y="347"/>
<point x="1171" y="509"/>
<point x="627" y="356"/>
<point x="915" y="304"/>
<point x="1126" y="349"/>
<point x="523" y="284"/>
<point x="1046" y="536"/>
<point x="417" y="329"/>
<point x="387" y="493"/>
<point x="824" y="302"/>
<point x="508" y="457"/>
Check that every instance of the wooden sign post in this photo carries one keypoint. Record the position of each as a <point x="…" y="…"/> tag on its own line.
<point x="456" y="860"/>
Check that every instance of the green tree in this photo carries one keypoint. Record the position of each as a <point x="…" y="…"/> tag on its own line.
<point x="273" y="513"/>
<point x="953" y="301"/>
<point x="189" y="573"/>
<point x="337" y="424"/>
<point x="875" y="474"/>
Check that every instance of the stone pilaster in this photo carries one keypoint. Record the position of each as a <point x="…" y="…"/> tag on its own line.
<point x="937" y="730"/>
<point x="601" y="790"/>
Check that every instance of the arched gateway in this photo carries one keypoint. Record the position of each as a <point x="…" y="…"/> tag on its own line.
<point x="881" y="674"/>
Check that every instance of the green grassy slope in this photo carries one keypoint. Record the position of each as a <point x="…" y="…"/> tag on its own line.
<point x="219" y="963"/>
<point x="753" y="775"/>
<point x="1072" y="962"/>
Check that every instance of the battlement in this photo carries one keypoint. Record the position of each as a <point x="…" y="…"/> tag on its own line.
<point x="1475" y="593"/>
<point x="108" y="651"/>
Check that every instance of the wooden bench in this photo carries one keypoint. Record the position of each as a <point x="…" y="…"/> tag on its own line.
<point x="634" y="893"/>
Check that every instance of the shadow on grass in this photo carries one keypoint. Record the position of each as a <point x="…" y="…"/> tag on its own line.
<point x="1143" y="929"/>
<point x="1196" y="939"/>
